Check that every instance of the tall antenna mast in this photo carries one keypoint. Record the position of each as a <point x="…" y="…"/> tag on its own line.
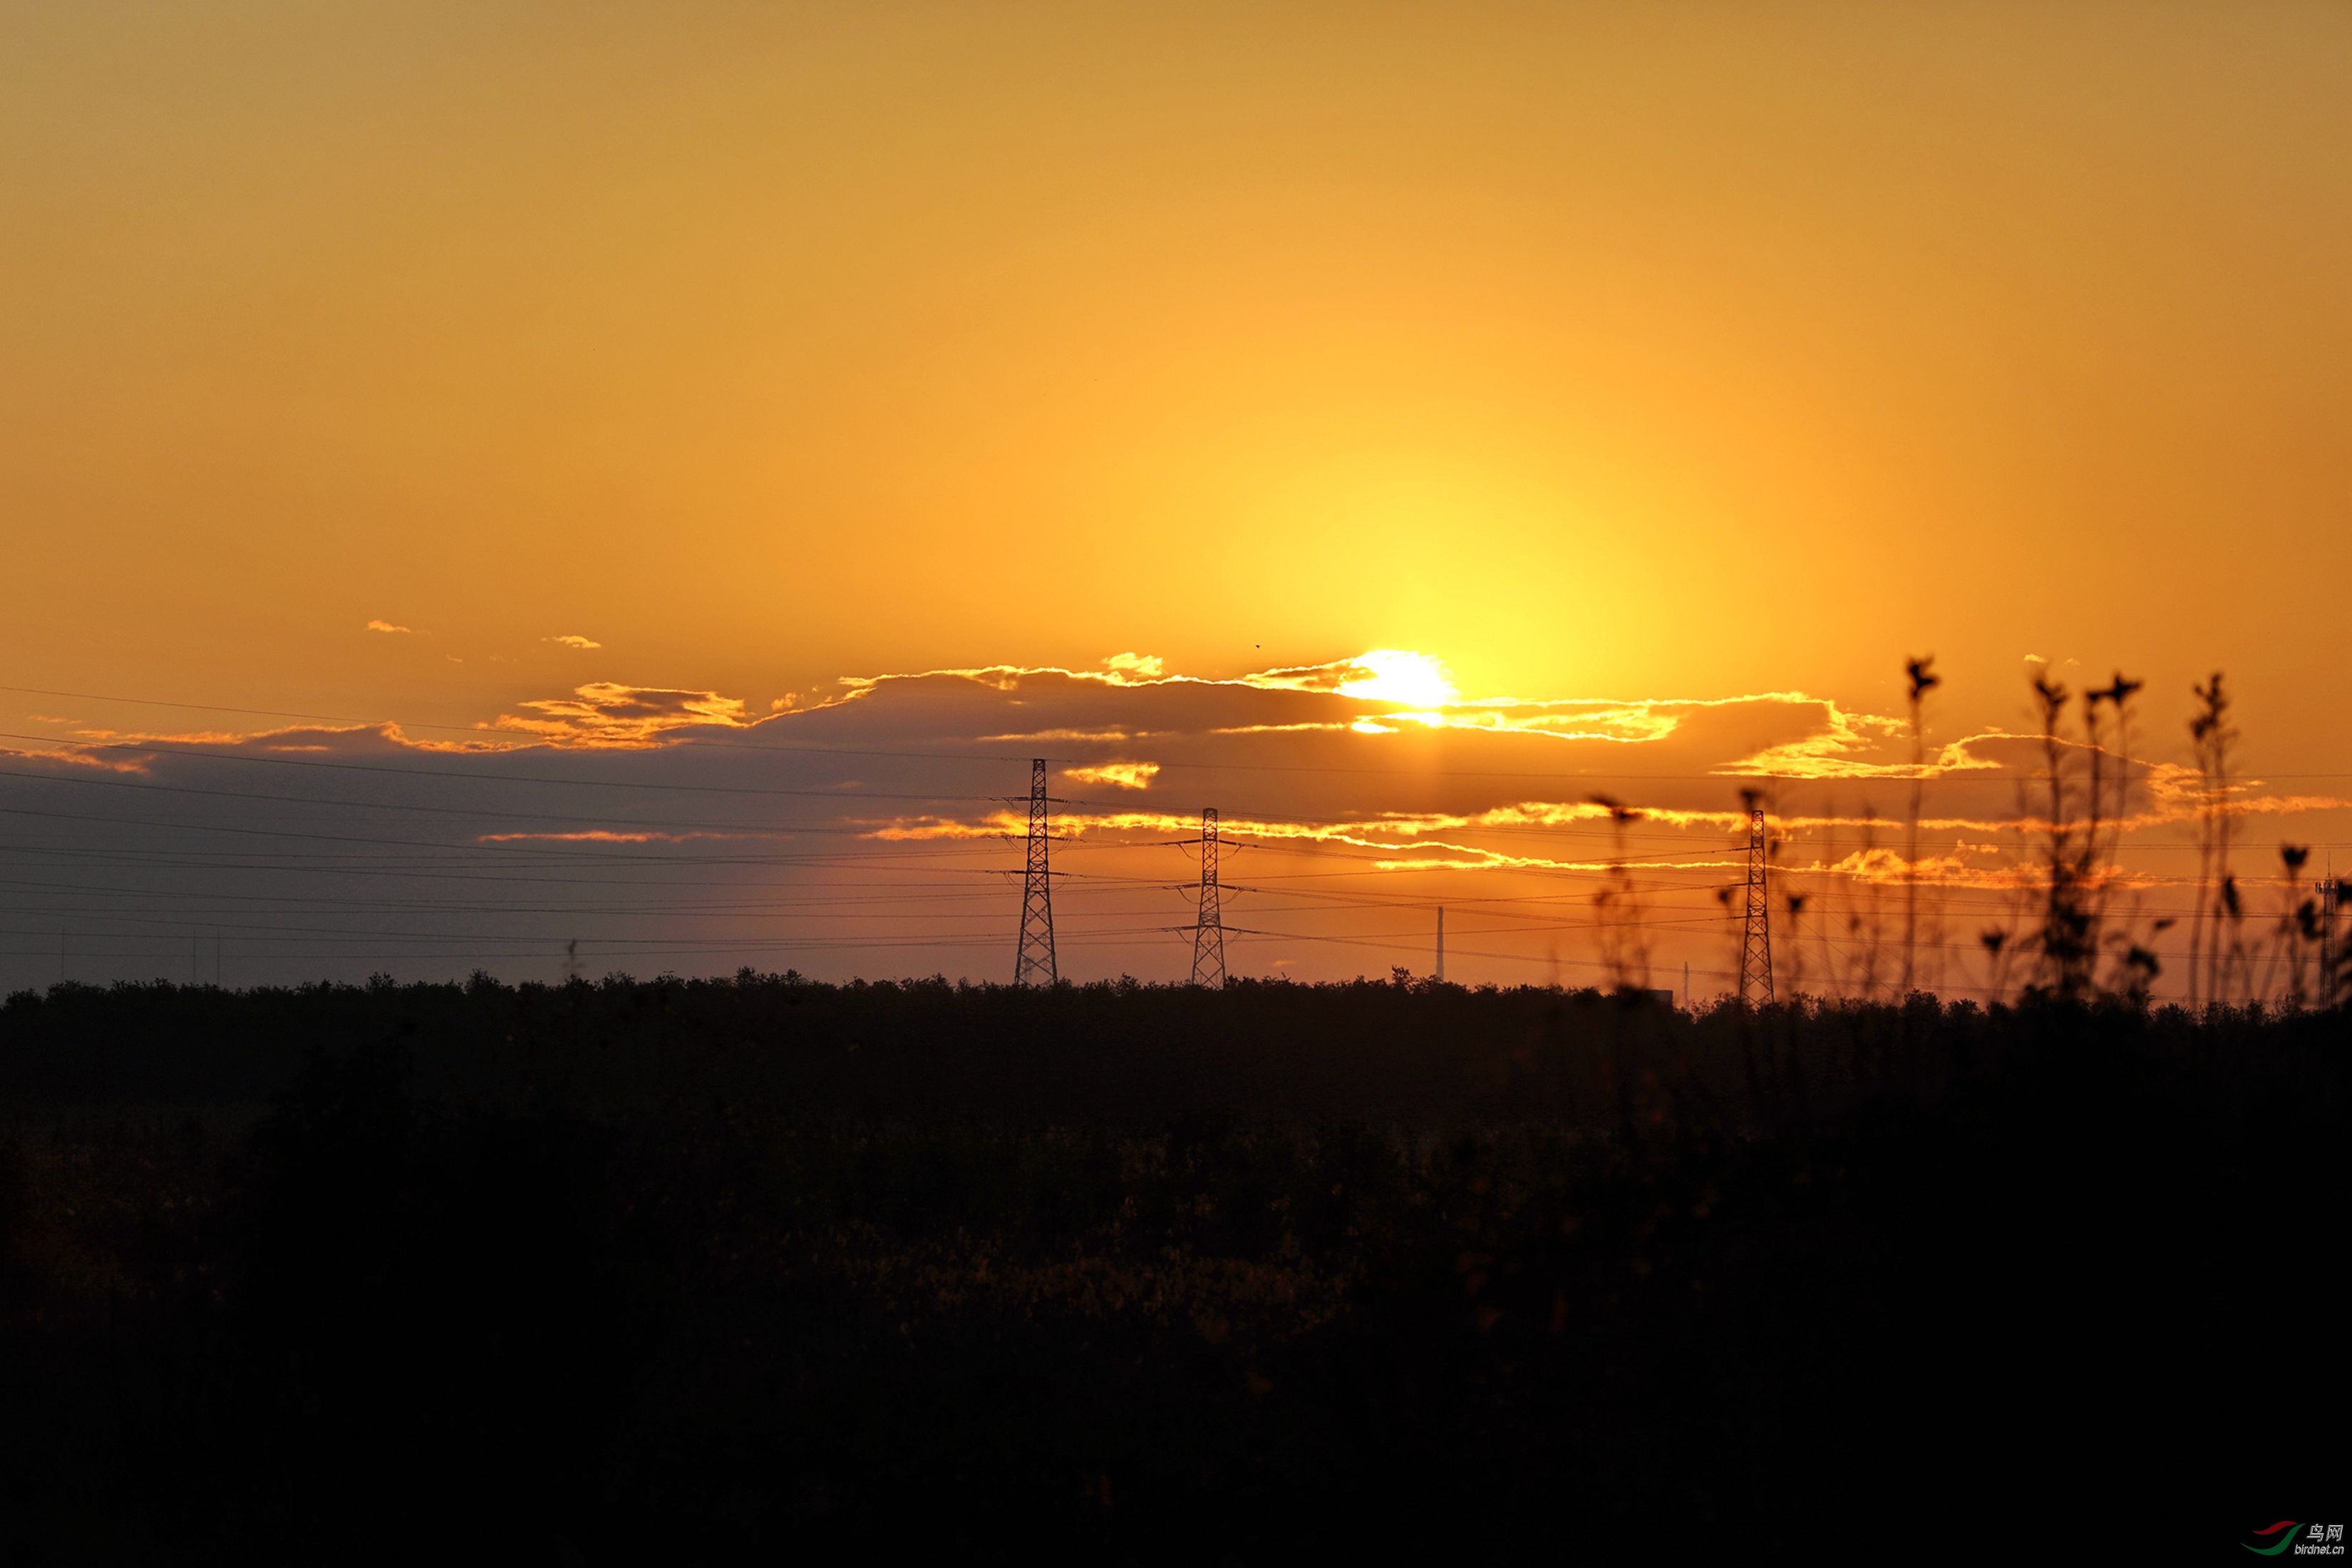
<point x="1035" y="966"/>
<point x="1756" y="949"/>
<point x="1209" y="929"/>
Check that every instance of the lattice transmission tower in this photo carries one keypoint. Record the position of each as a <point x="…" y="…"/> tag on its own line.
<point x="1209" y="929"/>
<point x="1756" y="951"/>
<point x="1035" y="966"/>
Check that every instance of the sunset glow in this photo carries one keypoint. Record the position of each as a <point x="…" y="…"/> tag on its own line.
<point x="1393" y="430"/>
<point x="1407" y="680"/>
<point x="1306" y="780"/>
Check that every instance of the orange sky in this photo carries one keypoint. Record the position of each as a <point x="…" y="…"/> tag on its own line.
<point x="1636" y="350"/>
<point x="1605" y="352"/>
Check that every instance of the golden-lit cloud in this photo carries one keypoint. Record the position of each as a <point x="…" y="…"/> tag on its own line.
<point x="598" y="835"/>
<point x="1120" y="775"/>
<point x="1705" y="749"/>
<point x="1403" y="678"/>
<point x="1148" y="666"/>
<point x="575" y="641"/>
<point x="1847" y="745"/>
<point x="1092" y="737"/>
<point x="80" y="757"/>
<point x="604" y="713"/>
<point x="97" y="737"/>
<point x="1395" y="677"/>
<point x="388" y="628"/>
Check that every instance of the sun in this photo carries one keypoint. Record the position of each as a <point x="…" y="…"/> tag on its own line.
<point x="1406" y="679"/>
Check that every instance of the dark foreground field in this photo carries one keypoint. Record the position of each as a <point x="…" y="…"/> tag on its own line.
<point x="717" y="1271"/>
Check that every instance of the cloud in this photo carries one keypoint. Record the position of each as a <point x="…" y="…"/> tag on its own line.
<point x="869" y="829"/>
<point x="1146" y="665"/>
<point x="77" y="756"/>
<point x="1388" y="676"/>
<point x="602" y="714"/>
<point x="388" y="626"/>
<point x="571" y="639"/>
<point x="1104" y="736"/>
<point x="597" y="835"/>
<point x="1120" y="775"/>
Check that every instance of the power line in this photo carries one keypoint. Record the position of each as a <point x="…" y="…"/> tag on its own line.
<point x="1406" y="848"/>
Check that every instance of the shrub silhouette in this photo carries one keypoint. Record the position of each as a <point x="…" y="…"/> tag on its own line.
<point x="702" y="1271"/>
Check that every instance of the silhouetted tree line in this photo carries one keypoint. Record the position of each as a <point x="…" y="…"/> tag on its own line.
<point x="697" y="1271"/>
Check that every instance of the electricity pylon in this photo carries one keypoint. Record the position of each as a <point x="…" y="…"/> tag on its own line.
<point x="1756" y="952"/>
<point x="1034" y="965"/>
<point x="1209" y="930"/>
